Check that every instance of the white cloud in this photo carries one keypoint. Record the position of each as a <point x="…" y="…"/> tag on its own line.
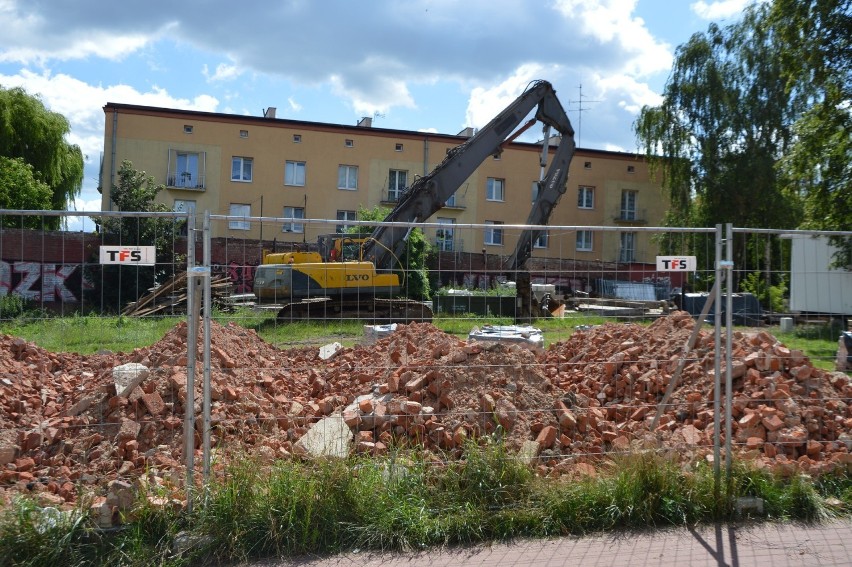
<point x="294" y="106"/>
<point x="224" y="72"/>
<point x="719" y="10"/>
<point x="612" y="22"/>
<point x="486" y="103"/>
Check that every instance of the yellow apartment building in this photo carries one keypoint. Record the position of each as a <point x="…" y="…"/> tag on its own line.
<point x="263" y="166"/>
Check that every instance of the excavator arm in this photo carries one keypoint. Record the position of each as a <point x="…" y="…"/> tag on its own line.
<point x="428" y="194"/>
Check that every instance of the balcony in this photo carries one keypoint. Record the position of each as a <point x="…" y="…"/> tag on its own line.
<point x="185" y="181"/>
<point x="448" y="244"/>
<point x="629" y="217"/>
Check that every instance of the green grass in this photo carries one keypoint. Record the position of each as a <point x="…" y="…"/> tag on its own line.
<point x="402" y="502"/>
<point x="88" y="334"/>
<point x="819" y="342"/>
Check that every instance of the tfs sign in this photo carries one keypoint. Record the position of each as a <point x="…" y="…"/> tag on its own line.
<point x="129" y="255"/>
<point x="676" y="263"/>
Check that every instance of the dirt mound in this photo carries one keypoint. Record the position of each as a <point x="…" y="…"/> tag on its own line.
<point x="64" y="423"/>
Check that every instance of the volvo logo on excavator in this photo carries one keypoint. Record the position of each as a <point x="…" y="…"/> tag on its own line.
<point x="357" y="277"/>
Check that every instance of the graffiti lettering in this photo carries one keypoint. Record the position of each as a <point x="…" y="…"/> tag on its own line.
<point x="242" y="277"/>
<point x="43" y="282"/>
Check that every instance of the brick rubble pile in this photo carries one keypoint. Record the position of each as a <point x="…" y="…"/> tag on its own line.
<point x="67" y="429"/>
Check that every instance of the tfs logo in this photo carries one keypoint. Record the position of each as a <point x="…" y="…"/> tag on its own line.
<point x="124" y="255"/>
<point x="674" y="264"/>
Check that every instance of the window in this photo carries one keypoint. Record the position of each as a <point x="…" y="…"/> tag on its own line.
<point x="631" y="169"/>
<point x="349" y="143"/>
<point x="347" y="177"/>
<point x="239" y="210"/>
<point x="444" y="236"/>
<point x="628" y="205"/>
<point x="586" y="197"/>
<point x="584" y="241"/>
<point x="494" y="190"/>
<point x="241" y="169"/>
<point x="542" y="240"/>
<point x="587" y="165"/>
<point x="627" y="252"/>
<point x="294" y="173"/>
<point x="187" y="129"/>
<point x="344" y="216"/>
<point x="494" y="236"/>
<point x="294" y="213"/>
<point x="397" y="183"/>
<point x="184" y="206"/>
<point x="297" y="138"/>
<point x="243" y="133"/>
<point x="398" y="148"/>
<point x="186" y="170"/>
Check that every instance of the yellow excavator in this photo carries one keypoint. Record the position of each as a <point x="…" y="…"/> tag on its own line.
<point x="353" y="276"/>
<point x="334" y="282"/>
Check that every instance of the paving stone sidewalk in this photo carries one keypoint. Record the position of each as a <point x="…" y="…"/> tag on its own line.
<point x="758" y="545"/>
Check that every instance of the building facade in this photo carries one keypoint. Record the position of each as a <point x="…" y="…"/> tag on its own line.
<point x="262" y="166"/>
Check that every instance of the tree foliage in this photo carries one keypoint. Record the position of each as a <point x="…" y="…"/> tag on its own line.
<point x="412" y="265"/>
<point x="817" y="63"/>
<point x="21" y="189"/>
<point x="754" y="125"/>
<point x="31" y="132"/>
<point x="136" y="191"/>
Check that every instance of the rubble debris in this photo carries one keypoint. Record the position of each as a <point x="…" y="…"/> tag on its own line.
<point x="66" y="430"/>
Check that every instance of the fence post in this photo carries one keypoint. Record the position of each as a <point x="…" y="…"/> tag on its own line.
<point x="717" y="377"/>
<point x="191" y="345"/>
<point x="207" y="341"/>
<point x="729" y="393"/>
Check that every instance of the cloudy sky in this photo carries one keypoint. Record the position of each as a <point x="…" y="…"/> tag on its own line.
<point x="432" y="65"/>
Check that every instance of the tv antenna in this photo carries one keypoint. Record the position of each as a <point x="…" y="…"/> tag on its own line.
<point x="580" y="109"/>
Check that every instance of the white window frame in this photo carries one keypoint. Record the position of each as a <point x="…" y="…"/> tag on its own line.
<point x="586" y="197"/>
<point x="295" y="173"/>
<point x="493" y="236"/>
<point x="347" y="177"/>
<point x="243" y="167"/>
<point x="345" y="216"/>
<point x="542" y="241"/>
<point x="239" y="210"/>
<point x="395" y="191"/>
<point x="629" y="204"/>
<point x="627" y="247"/>
<point x="495" y="189"/>
<point x="444" y="237"/>
<point x="585" y="241"/>
<point x="184" y="206"/>
<point x="294" y="213"/>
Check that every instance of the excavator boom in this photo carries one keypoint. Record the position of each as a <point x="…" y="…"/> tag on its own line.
<point x="428" y="194"/>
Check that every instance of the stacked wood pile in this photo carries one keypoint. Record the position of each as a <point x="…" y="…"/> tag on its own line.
<point x="172" y="296"/>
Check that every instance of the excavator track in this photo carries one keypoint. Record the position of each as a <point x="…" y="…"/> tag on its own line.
<point x="377" y="311"/>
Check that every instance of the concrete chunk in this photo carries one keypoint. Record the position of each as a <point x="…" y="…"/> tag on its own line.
<point x="329" y="437"/>
<point x="128" y="376"/>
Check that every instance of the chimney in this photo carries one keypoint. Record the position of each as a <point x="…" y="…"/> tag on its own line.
<point x="269" y="112"/>
<point x="467" y="132"/>
<point x="366" y="122"/>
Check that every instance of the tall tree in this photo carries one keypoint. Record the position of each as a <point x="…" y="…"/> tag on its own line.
<point x="28" y="130"/>
<point x="20" y="189"/>
<point x="724" y="122"/>
<point x="817" y="64"/>
<point x="118" y="285"/>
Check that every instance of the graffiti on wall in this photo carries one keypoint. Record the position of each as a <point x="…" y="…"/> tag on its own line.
<point x="48" y="283"/>
<point x="242" y="276"/>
